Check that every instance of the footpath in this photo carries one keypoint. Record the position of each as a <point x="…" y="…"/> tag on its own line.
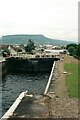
<point x="59" y="104"/>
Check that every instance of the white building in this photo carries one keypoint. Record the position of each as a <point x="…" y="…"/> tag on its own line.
<point x="12" y="51"/>
<point x="54" y="52"/>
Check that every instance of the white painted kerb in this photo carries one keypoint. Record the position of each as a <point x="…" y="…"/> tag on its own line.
<point x="13" y="107"/>
<point x="50" y="77"/>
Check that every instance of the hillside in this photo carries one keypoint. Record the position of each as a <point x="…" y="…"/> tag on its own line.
<point x="1" y="42"/>
<point x="38" y="39"/>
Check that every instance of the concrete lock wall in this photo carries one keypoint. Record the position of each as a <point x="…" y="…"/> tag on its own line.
<point x="31" y="65"/>
<point x="4" y="68"/>
<point x="13" y="65"/>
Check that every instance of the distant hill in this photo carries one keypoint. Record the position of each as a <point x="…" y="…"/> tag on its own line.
<point x="38" y="39"/>
<point x="1" y="42"/>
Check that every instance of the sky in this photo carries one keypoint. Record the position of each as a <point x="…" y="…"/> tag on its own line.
<point x="56" y="19"/>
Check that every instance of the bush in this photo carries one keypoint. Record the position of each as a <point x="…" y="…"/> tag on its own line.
<point x="74" y="50"/>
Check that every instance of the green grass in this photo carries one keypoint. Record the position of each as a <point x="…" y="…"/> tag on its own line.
<point x="72" y="79"/>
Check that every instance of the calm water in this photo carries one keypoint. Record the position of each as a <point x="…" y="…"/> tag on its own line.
<point x="14" y="84"/>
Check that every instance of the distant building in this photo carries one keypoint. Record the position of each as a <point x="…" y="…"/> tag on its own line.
<point x="12" y="51"/>
<point x="55" y="52"/>
<point x="52" y="52"/>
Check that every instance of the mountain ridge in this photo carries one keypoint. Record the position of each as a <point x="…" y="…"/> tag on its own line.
<point x="37" y="38"/>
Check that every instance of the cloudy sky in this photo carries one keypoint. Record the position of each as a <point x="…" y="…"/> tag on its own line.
<point x="57" y="19"/>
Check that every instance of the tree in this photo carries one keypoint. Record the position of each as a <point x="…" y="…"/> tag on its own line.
<point x="74" y="50"/>
<point x="30" y="46"/>
<point x="77" y="52"/>
<point x="71" y="50"/>
<point x="69" y="45"/>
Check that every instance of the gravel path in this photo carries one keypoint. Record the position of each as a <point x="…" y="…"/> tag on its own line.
<point x="60" y="105"/>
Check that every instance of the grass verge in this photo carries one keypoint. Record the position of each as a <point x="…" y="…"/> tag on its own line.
<point x="72" y="79"/>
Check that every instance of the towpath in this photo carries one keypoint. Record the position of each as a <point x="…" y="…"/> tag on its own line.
<point x="61" y="106"/>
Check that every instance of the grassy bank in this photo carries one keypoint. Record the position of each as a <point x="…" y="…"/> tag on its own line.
<point x="72" y="79"/>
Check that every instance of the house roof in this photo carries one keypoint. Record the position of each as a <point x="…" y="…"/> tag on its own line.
<point x="12" y="50"/>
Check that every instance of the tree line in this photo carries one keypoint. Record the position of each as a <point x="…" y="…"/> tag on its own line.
<point x="74" y="50"/>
